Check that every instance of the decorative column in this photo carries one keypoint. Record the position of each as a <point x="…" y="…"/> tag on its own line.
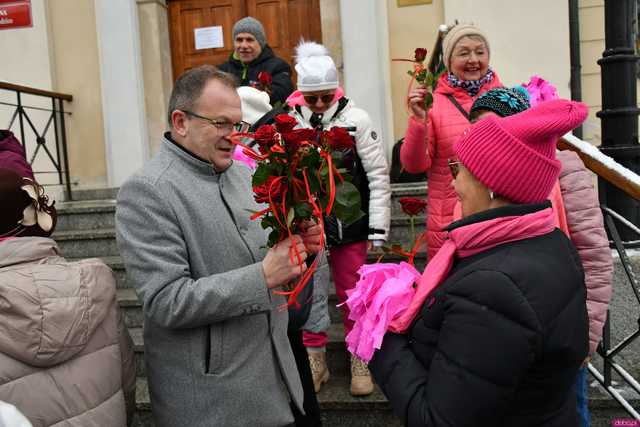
<point x="125" y="122"/>
<point x="619" y="115"/>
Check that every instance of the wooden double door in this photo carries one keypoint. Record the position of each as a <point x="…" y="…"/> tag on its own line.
<point x="284" y="21"/>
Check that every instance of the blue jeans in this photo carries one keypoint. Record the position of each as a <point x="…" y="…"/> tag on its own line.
<point x="583" y="398"/>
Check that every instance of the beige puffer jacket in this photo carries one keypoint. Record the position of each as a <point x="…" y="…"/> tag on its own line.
<point x="66" y="358"/>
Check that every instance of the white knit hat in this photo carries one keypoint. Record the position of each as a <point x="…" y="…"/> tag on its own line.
<point x="255" y="103"/>
<point x="316" y="70"/>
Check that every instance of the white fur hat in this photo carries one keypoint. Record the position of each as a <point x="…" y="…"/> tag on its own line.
<point x="316" y="70"/>
<point x="255" y="103"/>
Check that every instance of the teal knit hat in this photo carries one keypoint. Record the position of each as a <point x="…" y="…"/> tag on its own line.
<point x="503" y="101"/>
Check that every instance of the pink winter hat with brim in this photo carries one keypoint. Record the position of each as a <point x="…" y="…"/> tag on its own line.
<point x="515" y="156"/>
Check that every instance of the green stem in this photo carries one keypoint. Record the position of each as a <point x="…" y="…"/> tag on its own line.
<point x="413" y="231"/>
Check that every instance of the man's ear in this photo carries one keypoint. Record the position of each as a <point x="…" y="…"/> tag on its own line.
<point x="179" y="122"/>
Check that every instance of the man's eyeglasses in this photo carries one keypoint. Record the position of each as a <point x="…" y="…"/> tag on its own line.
<point x="454" y="167"/>
<point x="223" y="126"/>
<point x="313" y="99"/>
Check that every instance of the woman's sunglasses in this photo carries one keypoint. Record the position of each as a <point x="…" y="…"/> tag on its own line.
<point x="454" y="167"/>
<point x="313" y="99"/>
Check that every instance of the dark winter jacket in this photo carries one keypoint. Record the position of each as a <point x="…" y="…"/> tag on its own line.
<point x="500" y="341"/>
<point x="247" y="74"/>
<point x="12" y="155"/>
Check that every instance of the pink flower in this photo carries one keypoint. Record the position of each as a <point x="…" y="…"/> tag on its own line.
<point x="238" y="154"/>
<point x="540" y="90"/>
<point x="383" y="292"/>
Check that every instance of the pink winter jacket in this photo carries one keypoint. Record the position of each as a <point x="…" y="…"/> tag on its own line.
<point x="428" y="147"/>
<point x="66" y="358"/>
<point x="586" y="228"/>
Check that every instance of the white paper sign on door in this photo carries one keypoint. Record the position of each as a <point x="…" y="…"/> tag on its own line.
<point x="208" y="37"/>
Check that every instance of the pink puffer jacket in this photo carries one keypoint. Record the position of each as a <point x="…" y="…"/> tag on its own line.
<point x="66" y="358"/>
<point x="428" y="147"/>
<point x="586" y="227"/>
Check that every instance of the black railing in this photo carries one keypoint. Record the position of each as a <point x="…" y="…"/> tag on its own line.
<point x="608" y="353"/>
<point x="37" y="143"/>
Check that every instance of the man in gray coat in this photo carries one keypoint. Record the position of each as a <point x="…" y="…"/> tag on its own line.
<point x="215" y="333"/>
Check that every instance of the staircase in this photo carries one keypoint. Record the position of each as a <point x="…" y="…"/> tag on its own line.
<point x="86" y="228"/>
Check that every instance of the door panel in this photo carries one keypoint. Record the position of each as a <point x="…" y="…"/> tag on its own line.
<point x="186" y="16"/>
<point x="285" y="22"/>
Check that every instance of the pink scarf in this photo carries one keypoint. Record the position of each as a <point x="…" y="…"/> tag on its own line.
<point x="469" y="240"/>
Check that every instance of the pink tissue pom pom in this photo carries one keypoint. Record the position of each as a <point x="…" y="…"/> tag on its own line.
<point x="238" y="154"/>
<point x="383" y="292"/>
<point x="540" y="90"/>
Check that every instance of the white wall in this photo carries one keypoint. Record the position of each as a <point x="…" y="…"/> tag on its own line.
<point x="26" y="52"/>
<point x="526" y="37"/>
<point x="27" y="61"/>
<point x="365" y="52"/>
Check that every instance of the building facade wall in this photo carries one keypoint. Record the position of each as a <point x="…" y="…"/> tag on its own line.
<point x="410" y="27"/>
<point x="591" y="17"/>
<point x="156" y="66"/>
<point x="53" y="56"/>
<point x="77" y="72"/>
<point x="525" y="38"/>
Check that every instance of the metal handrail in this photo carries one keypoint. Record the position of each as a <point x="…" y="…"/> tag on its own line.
<point x="604" y="349"/>
<point x="629" y="182"/>
<point x="34" y="91"/>
<point x="57" y="118"/>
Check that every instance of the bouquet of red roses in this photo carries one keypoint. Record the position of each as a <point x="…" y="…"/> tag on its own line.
<point x="298" y="180"/>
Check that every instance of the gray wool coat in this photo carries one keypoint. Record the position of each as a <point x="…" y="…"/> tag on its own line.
<point x="216" y="347"/>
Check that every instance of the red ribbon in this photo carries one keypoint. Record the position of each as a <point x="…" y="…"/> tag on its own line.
<point x="299" y="286"/>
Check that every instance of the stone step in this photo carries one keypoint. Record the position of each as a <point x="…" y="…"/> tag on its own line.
<point x="86" y="215"/>
<point x="101" y="242"/>
<point x="95" y="194"/>
<point x="87" y="243"/>
<point x="411" y="189"/>
<point x="338" y="407"/>
<point x="94" y="209"/>
<point x="130" y="307"/>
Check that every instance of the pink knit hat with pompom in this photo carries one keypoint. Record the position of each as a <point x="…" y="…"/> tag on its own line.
<point x="515" y="156"/>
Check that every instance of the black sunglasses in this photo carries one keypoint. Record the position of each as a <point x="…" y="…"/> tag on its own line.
<point x="313" y="99"/>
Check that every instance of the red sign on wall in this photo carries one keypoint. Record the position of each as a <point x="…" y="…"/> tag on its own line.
<point x="15" y="14"/>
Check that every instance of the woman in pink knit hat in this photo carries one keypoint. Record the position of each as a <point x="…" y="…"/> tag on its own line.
<point x="430" y="136"/>
<point x="497" y="329"/>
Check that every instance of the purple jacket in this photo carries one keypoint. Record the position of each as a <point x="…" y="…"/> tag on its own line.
<point x="12" y="155"/>
<point x="586" y="227"/>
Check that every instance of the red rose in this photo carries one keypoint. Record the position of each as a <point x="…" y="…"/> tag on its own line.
<point x="277" y="148"/>
<point x="261" y="192"/>
<point x="285" y="123"/>
<point x="412" y="206"/>
<point x="420" y="54"/>
<point x="265" y="136"/>
<point x="339" y="139"/>
<point x="264" y="78"/>
<point x="294" y="139"/>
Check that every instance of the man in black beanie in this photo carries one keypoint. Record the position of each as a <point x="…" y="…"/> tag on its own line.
<point x="252" y="55"/>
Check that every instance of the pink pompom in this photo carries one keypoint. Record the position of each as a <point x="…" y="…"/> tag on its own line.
<point x="238" y="154"/>
<point x="540" y="90"/>
<point x="383" y="292"/>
